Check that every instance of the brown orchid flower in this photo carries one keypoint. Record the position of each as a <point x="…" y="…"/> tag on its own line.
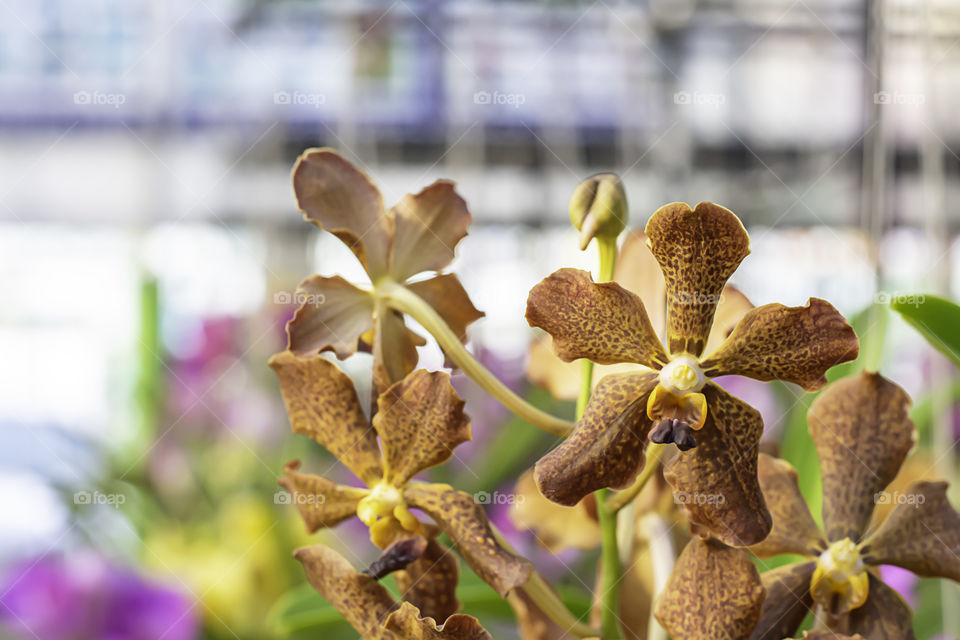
<point x="419" y="421"/>
<point x="417" y="235"/>
<point x="369" y="607"/>
<point x="862" y="433"/>
<point x="697" y="250"/>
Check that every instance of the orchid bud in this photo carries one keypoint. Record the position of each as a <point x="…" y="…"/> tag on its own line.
<point x="598" y="208"/>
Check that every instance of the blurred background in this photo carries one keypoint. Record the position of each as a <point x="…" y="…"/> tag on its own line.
<point x="149" y="243"/>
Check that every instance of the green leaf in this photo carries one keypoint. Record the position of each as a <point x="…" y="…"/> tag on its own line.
<point x="937" y="319"/>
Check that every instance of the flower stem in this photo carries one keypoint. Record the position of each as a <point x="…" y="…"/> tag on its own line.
<point x="546" y="598"/>
<point x="610" y="571"/>
<point x="622" y="498"/>
<point x="405" y="301"/>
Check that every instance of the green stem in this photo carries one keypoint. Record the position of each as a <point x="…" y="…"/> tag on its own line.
<point x="405" y="301"/>
<point x="610" y="571"/>
<point x="546" y="598"/>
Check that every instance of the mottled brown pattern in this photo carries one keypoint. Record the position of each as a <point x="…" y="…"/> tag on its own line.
<point x="923" y="537"/>
<point x="607" y="443"/>
<point x="698" y="251"/>
<point x="465" y="522"/>
<point x="796" y="344"/>
<point x="717" y="480"/>
<point x="323" y="404"/>
<point x="602" y="322"/>
<point x="787" y="602"/>
<point x="420" y="420"/>
<point x="794" y="529"/>
<point x="884" y="616"/>
<point x="361" y="600"/>
<point x="332" y="318"/>
<point x="430" y="583"/>
<point x="714" y="593"/>
<point x="338" y="197"/>
<point x="428" y="227"/>
<point x="407" y="624"/>
<point x="321" y="503"/>
<point x="862" y="431"/>
<point x="448" y="298"/>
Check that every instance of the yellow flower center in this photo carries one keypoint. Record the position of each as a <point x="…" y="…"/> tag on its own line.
<point x="386" y="513"/>
<point x="682" y="375"/>
<point x="840" y="582"/>
<point x="380" y="502"/>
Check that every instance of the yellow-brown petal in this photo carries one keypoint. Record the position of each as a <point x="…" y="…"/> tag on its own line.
<point x="796" y="344"/>
<point x="731" y="308"/>
<point x="448" y="298"/>
<point x="407" y="624"/>
<point x="828" y="635"/>
<point x="332" y="317"/>
<point x="428" y="227"/>
<point x="321" y="503"/>
<point x="555" y="526"/>
<point x="698" y="250"/>
<point x="637" y="271"/>
<point x="430" y="582"/>
<point x="714" y="593"/>
<point x="465" y="522"/>
<point x="361" y="600"/>
<point x="322" y="403"/>
<point x="716" y="481"/>
<point x="794" y="529"/>
<point x="394" y="349"/>
<point x="607" y="444"/>
<point x="420" y="420"/>
<point x="922" y="534"/>
<point x="338" y="197"/>
<point x="602" y="322"/>
<point x="787" y="602"/>
<point x="883" y="616"/>
<point x="862" y="432"/>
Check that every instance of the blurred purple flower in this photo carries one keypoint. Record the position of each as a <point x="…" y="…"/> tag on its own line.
<point x="902" y="580"/>
<point x="84" y="597"/>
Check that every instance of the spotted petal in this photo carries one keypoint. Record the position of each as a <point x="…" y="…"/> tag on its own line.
<point x="796" y="344"/>
<point x="464" y="521"/>
<point x="794" y="529"/>
<point x="361" y="600"/>
<point x="323" y="404"/>
<point x="420" y="420"/>
<point x="428" y="227"/>
<point x="883" y="616"/>
<point x="922" y="534"/>
<point x="333" y="316"/>
<point x="430" y="582"/>
<point x="714" y="593"/>
<point x="448" y="298"/>
<point x="607" y="444"/>
<point x="698" y="250"/>
<point x="600" y="321"/>
<point x="321" y="503"/>
<point x="407" y="624"/>
<point x="787" y="603"/>
<point x="862" y="432"/>
<point x="338" y="197"/>
<point x="716" y="481"/>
